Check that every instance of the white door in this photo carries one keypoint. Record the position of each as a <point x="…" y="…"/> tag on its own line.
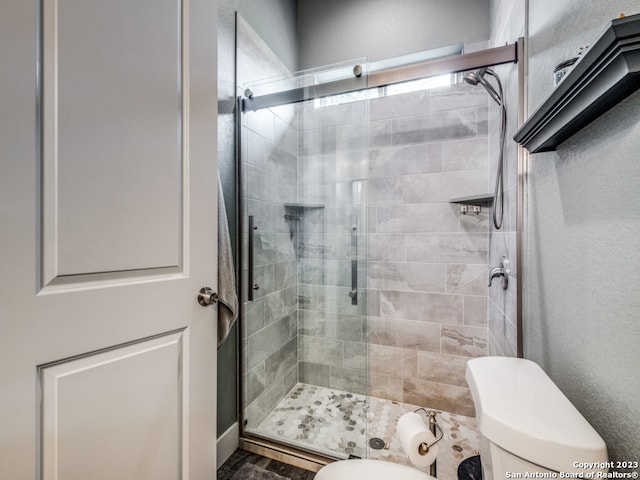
<point x="107" y="208"/>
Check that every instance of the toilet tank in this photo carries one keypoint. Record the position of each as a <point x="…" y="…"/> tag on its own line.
<point x="521" y="411"/>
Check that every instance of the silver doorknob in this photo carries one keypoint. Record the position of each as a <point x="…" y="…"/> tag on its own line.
<point x="206" y="296"/>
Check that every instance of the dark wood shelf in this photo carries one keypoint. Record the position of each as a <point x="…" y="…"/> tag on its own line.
<point x="482" y="199"/>
<point x="608" y="73"/>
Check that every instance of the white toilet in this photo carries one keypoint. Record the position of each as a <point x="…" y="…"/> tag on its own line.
<point x="527" y="424"/>
<point x="369" y="470"/>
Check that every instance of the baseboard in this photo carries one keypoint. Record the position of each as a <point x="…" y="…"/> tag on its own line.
<point x="227" y="443"/>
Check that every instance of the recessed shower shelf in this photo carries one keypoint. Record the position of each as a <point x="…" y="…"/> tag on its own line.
<point x="304" y="205"/>
<point x="483" y="199"/>
<point x="608" y="73"/>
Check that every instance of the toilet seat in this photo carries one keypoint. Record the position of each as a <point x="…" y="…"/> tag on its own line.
<point x="369" y="469"/>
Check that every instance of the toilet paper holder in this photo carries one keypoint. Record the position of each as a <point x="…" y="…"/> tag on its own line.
<point x="433" y="426"/>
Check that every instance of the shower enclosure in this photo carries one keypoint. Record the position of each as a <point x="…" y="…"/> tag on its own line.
<point x="365" y="222"/>
<point x="304" y="166"/>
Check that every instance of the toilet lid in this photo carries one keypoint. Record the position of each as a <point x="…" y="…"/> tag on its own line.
<point x="369" y="469"/>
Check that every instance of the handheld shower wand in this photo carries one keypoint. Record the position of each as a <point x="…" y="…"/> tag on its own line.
<point x="477" y="78"/>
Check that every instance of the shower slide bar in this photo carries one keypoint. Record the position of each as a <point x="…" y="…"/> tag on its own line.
<point x="439" y="66"/>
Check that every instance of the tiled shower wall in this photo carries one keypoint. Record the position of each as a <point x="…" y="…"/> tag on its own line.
<point x="507" y="24"/>
<point x="427" y="265"/>
<point x="269" y="172"/>
<point x="332" y="152"/>
<point x="310" y="172"/>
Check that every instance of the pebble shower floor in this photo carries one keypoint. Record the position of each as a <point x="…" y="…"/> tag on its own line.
<point x="337" y="422"/>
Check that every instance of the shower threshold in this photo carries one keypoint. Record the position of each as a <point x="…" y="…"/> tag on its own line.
<point x="339" y="424"/>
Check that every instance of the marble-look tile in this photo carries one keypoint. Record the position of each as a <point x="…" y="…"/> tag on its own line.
<point x="419" y="335"/>
<point x="386" y="247"/>
<point x="457" y="96"/>
<point x="440" y="187"/>
<point x="417" y="218"/>
<point x="282" y="163"/>
<point x="253" y="315"/>
<point x="385" y="190"/>
<point x="253" y="384"/>
<point x="468" y="279"/>
<point x="464" y="340"/>
<point x="314" y="373"/>
<point x="332" y="325"/>
<point x="312" y="117"/>
<point x="330" y="299"/>
<point x="318" y="141"/>
<point x="285" y="275"/>
<point x="385" y="359"/>
<point x="351" y="165"/>
<point x="355" y="355"/>
<point x="475" y="311"/>
<point x="447" y="247"/>
<point x="324" y="245"/>
<point x="472" y="154"/>
<point x="350" y="380"/>
<point x="263" y="276"/>
<point x="382" y="331"/>
<point x="475" y="222"/>
<point x="280" y="304"/>
<point x="391" y="162"/>
<point x="261" y="122"/>
<point x="418" y="277"/>
<point x="428" y="307"/>
<point x="449" y="369"/>
<point x="386" y="386"/>
<point x="317" y="168"/>
<point x="373" y="303"/>
<point x="268" y="340"/>
<point x="352" y="137"/>
<point x="280" y="362"/>
<point x="403" y="105"/>
<point x="441" y="126"/>
<point x="260" y="408"/>
<point x="326" y="351"/>
<point x="438" y="396"/>
<point x="502" y="330"/>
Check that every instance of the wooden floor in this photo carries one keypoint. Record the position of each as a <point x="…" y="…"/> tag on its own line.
<point x="243" y="465"/>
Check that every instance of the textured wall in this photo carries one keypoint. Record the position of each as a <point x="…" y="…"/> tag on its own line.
<point x="331" y="31"/>
<point x="582" y="276"/>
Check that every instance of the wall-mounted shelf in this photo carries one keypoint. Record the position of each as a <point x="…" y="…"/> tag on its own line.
<point x="608" y="73"/>
<point x="483" y="199"/>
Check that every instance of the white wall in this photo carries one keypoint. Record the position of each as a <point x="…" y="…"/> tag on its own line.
<point x="582" y="277"/>
<point x="331" y="31"/>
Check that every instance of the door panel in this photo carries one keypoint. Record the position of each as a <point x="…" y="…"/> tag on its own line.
<point x="98" y="405"/>
<point x="107" y="209"/>
<point x="112" y="126"/>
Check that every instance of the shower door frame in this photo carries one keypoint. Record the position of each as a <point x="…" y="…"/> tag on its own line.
<point x="510" y="53"/>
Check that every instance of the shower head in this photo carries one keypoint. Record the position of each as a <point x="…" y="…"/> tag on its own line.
<point x="477" y="77"/>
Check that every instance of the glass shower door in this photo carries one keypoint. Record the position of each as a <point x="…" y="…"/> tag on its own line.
<point x="303" y="175"/>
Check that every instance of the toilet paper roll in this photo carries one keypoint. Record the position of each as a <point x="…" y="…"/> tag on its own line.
<point x="412" y="432"/>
